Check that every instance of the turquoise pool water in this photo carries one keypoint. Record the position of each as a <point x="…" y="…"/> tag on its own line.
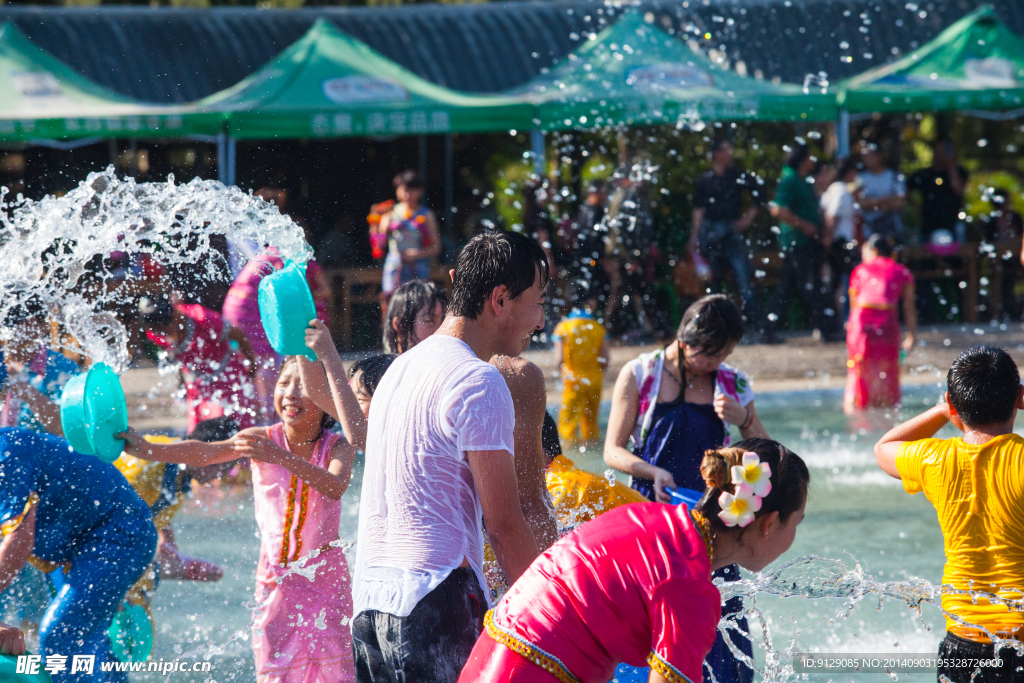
<point x="855" y="513"/>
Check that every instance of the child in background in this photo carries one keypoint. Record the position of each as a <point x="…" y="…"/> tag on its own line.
<point x="217" y="360"/>
<point x="975" y="483"/>
<point x="415" y="312"/>
<point x="581" y="351"/>
<point x="365" y="375"/>
<point x="300" y="471"/>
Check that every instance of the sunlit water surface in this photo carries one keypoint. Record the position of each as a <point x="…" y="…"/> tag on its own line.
<point x="855" y="513"/>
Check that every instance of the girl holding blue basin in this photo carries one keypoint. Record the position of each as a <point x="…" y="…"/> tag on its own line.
<point x="674" y="404"/>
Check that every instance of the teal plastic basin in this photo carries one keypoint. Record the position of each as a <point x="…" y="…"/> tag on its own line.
<point x="92" y="410"/>
<point x="9" y="668"/>
<point x="286" y="307"/>
<point x="131" y="634"/>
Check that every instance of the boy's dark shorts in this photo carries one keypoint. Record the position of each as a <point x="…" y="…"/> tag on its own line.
<point x="431" y="645"/>
<point x="958" y="658"/>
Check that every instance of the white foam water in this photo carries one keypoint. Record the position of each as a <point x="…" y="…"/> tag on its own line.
<point x="50" y="248"/>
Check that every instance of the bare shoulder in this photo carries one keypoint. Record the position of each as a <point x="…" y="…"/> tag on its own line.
<point x="521" y="375"/>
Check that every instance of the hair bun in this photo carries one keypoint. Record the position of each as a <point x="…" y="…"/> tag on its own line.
<point x="714" y="468"/>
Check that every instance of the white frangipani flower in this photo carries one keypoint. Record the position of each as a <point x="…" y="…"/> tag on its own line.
<point x="754" y="473"/>
<point x="738" y="508"/>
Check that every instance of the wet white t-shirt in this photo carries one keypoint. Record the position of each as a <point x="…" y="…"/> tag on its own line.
<point x="419" y="513"/>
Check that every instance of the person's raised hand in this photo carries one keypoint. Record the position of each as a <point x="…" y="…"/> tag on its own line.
<point x="730" y="410"/>
<point x="12" y="640"/>
<point x="318" y="338"/>
<point x="663" y="479"/>
<point x="258" y="447"/>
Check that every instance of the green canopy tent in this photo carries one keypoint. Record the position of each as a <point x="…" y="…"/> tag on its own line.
<point x="41" y="98"/>
<point x="328" y="84"/>
<point x="634" y="73"/>
<point x="975" y="64"/>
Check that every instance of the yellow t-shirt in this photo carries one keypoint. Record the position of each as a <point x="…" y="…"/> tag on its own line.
<point x="978" y="493"/>
<point x="582" y="337"/>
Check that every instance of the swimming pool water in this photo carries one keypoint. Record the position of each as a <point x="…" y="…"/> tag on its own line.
<point x="855" y="511"/>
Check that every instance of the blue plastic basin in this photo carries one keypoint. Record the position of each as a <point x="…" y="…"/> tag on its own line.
<point x="92" y="410"/>
<point x="9" y="671"/>
<point x="286" y="307"/>
<point x="681" y="495"/>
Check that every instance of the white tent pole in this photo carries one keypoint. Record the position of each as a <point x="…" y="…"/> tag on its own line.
<point x="843" y="134"/>
<point x="231" y="160"/>
<point x="537" y="148"/>
<point x="222" y="157"/>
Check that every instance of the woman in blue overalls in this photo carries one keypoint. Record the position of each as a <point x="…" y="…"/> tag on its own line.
<point x="674" y="404"/>
<point x="62" y="509"/>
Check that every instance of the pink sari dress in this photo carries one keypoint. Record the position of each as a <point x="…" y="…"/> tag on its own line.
<point x="242" y="309"/>
<point x="300" y="626"/>
<point x="873" y="333"/>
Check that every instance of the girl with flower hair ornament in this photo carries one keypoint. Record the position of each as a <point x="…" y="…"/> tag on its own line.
<point x="634" y="585"/>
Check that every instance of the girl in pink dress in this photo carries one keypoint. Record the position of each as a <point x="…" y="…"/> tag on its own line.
<point x="873" y="334"/>
<point x="634" y="584"/>
<point x="300" y="470"/>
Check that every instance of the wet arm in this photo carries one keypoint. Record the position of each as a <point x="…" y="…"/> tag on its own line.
<point x="494" y="476"/>
<point x="754" y="430"/>
<point x="343" y="405"/>
<point x="195" y="453"/>
<point x="16" y="548"/>
<point x="923" y="426"/>
<point x="623" y="418"/>
<point x="698" y="218"/>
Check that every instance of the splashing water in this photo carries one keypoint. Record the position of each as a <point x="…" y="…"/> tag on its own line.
<point x="52" y="249"/>
<point x="813" y="577"/>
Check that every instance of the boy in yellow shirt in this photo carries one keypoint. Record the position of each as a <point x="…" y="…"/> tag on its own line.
<point x="581" y="351"/>
<point x="976" y="483"/>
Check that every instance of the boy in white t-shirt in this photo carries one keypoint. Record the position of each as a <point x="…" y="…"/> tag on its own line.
<point x="838" y="208"/>
<point x="439" y="458"/>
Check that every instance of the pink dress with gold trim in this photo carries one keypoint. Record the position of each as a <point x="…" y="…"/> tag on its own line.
<point x="300" y="627"/>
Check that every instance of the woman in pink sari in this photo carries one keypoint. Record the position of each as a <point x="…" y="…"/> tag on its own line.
<point x="877" y="286"/>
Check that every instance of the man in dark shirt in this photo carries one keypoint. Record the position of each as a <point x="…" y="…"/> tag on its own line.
<point x="941" y="189"/>
<point x="718" y="225"/>
<point x="800" y="238"/>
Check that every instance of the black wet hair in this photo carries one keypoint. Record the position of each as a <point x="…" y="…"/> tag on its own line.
<point x="880" y="243"/>
<point x="410" y="179"/>
<point x="710" y="324"/>
<point x="23" y="311"/>
<point x="214" y="429"/>
<point x="327" y="421"/>
<point x="492" y="259"/>
<point x="407" y="302"/>
<point x="550" y="442"/>
<point x="373" y="369"/>
<point x="797" y="155"/>
<point x="983" y="383"/>
<point x="790" y="479"/>
<point x="156" y="312"/>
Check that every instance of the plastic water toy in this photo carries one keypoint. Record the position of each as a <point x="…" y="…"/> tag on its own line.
<point x="9" y="671"/>
<point x="92" y="410"/>
<point x="286" y="307"/>
<point x="681" y="495"/>
<point x="131" y="634"/>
